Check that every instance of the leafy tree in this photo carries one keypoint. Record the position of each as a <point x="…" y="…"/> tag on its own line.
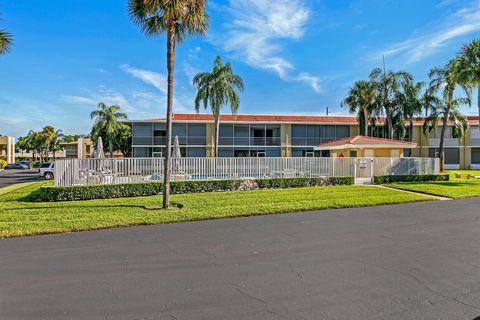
<point x="361" y="99"/>
<point x="410" y="101"/>
<point x="218" y="89"/>
<point x="107" y="122"/>
<point x="178" y="19"/>
<point x="6" y="42"/>
<point x="388" y="85"/>
<point x="467" y="68"/>
<point x="443" y="80"/>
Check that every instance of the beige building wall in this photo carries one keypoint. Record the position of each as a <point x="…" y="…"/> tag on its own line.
<point x="286" y="138"/>
<point x="7" y="149"/>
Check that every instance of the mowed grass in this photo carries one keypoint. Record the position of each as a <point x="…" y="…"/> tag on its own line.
<point x="455" y="188"/>
<point x="19" y="217"/>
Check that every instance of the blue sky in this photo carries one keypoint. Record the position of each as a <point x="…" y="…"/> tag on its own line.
<point x="295" y="56"/>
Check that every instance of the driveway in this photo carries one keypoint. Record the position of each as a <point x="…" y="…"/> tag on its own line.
<point x="412" y="261"/>
<point x="9" y="177"/>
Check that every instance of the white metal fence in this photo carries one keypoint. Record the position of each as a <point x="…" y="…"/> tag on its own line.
<point x="71" y="172"/>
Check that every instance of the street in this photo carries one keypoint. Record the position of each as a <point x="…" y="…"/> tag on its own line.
<point x="411" y="261"/>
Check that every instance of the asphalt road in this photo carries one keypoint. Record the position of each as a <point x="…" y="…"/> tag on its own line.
<point x="9" y="177"/>
<point x="413" y="261"/>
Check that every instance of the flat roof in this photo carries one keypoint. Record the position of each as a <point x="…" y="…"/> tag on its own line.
<point x="249" y="118"/>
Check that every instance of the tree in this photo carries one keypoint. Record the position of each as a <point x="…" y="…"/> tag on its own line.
<point x="468" y="68"/>
<point x="178" y="19"/>
<point x="388" y="84"/>
<point x="444" y="80"/>
<point x="218" y="89"/>
<point x="107" y="121"/>
<point x="124" y="141"/>
<point x="361" y="99"/>
<point x="410" y="101"/>
<point x="5" y="42"/>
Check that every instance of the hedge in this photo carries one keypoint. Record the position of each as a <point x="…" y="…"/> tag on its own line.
<point x="410" y="178"/>
<point x="106" y="191"/>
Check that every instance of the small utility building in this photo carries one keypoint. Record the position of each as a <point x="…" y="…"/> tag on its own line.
<point x="361" y="146"/>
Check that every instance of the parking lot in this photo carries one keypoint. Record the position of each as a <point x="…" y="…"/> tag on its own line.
<point x="9" y="177"/>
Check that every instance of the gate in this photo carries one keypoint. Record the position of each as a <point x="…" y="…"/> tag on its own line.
<point x="364" y="170"/>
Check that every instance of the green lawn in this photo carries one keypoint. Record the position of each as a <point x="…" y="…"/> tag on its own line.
<point x="19" y="217"/>
<point x="455" y="188"/>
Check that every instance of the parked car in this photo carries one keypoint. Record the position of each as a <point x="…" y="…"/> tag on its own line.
<point x="28" y="164"/>
<point x="18" y="166"/>
<point x="46" y="170"/>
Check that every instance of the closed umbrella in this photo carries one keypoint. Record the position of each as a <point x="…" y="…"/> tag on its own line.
<point x="176" y="154"/>
<point x="99" y="154"/>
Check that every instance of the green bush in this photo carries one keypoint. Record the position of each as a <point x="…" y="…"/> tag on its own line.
<point x="411" y="178"/>
<point x="3" y="164"/>
<point x="176" y="187"/>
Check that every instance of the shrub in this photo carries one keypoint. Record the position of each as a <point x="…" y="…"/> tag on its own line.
<point x="3" y="164"/>
<point x="411" y="178"/>
<point x="106" y="191"/>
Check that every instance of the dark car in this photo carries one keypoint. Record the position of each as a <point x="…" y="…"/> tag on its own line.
<point x="28" y="164"/>
<point x="12" y="166"/>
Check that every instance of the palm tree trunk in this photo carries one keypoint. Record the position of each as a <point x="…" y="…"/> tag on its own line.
<point x="410" y="130"/>
<point x="365" y="120"/>
<point x="478" y="104"/>
<point x="110" y="147"/>
<point x="442" y="136"/>
<point x="217" y="129"/>
<point x="170" y="69"/>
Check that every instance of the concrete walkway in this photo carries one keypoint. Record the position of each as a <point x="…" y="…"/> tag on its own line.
<point x="413" y="192"/>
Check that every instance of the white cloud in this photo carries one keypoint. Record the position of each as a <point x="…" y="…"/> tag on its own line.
<point x="156" y="79"/>
<point x="256" y="30"/>
<point x="462" y="23"/>
<point x="80" y="100"/>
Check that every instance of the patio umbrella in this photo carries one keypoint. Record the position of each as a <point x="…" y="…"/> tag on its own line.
<point x="99" y="154"/>
<point x="176" y="155"/>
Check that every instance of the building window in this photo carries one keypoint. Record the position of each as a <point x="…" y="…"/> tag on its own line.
<point x="451" y="155"/>
<point x="142" y="152"/>
<point x="241" y="153"/>
<point x="475" y="155"/>
<point x="241" y="134"/>
<point x="407" y="153"/>
<point x="196" y="152"/>
<point x="197" y="134"/>
<point x="225" y="152"/>
<point x="353" y="153"/>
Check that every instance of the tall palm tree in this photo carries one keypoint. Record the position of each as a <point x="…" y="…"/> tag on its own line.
<point x="468" y="68"/>
<point x="444" y="80"/>
<point x="361" y="99"/>
<point x="107" y="120"/>
<point x="5" y="42"/>
<point x="388" y="84"/>
<point x="410" y="101"/>
<point x="178" y="19"/>
<point x="217" y="89"/>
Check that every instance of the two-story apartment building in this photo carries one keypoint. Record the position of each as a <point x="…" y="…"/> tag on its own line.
<point x="285" y="136"/>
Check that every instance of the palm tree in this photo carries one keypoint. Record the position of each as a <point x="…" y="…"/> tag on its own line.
<point x="361" y="99"/>
<point x="388" y="84"/>
<point x="218" y="88"/>
<point x="177" y="19"/>
<point x="468" y="68"/>
<point x="5" y="42"/>
<point x="444" y="79"/>
<point x="107" y="120"/>
<point x="410" y="101"/>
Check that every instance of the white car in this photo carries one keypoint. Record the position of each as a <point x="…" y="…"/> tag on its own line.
<point x="46" y="170"/>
